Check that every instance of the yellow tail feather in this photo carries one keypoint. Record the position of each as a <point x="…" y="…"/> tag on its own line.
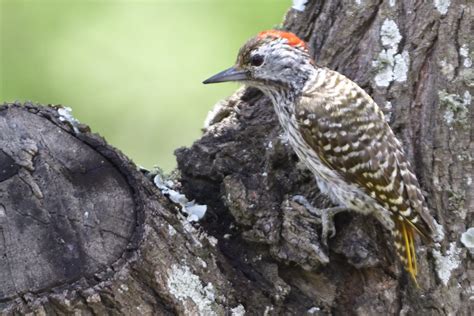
<point x="407" y="248"/>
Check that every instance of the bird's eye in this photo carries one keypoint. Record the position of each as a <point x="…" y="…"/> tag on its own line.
<point x="256" y="60"/>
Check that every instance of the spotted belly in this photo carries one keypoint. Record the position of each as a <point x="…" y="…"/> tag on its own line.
<point x="340" y="192"/>
<point x="329" y="181"/>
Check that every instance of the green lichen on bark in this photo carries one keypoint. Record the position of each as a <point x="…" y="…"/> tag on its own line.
<point x="456" y="107"/>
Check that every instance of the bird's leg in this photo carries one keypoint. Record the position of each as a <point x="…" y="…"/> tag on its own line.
<point x="326" y="215"/>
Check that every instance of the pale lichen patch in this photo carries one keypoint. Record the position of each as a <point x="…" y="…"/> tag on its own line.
<point x="392" y="2"/>
<point x="313" y="310"/>
<point x="185" y="285"/>
<point x="123" y="288"/>
<point x="94" y="298"/>
<point x="212" y="240"/>
<point x="389" y="34"/>
<point x="384" y="67"/>
<point x="439" y="233"/>
<point x="202" y="262"/>
<point x="447" y="263"/>
<point x="456" y="107"/>
<point x="389" y="65"/>
<point x="65" y="115"/>
<point x="387" y="109"/>
<point x="194" y="211"/>
<point x="268" y="310"/>
<point x="194" y="233"/>
<point x="400" y="68"/>
<point x="446" y="69"/>
<point x="467" y="98"/>
<point x="464" y="52"/>
<point x="299" y="5"/>
<point x="238" y="310"/>
<point x="442" y="5"/>
<point x="467" y="239"/>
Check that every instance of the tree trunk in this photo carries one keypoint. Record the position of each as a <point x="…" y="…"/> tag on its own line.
<point x="83" y="231"/>
<point x="414" y="58"/>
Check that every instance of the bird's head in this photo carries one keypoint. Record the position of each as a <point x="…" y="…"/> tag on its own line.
<point x="271" y="60"/>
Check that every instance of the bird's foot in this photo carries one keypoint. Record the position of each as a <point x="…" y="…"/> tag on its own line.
<point x="326" y="216"/>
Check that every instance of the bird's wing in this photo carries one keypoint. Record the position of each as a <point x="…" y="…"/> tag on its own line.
<point x="348" y="131"/>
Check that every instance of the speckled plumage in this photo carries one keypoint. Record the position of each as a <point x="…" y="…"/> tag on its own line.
<point x="343" y="138"/>
<point x="341" y="135"/>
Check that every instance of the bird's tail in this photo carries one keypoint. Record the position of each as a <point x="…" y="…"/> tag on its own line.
<point x="404" y="234"/>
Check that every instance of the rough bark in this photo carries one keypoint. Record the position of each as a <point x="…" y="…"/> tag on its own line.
<point x="83" y="231"/>
<point x="411" y="57"/>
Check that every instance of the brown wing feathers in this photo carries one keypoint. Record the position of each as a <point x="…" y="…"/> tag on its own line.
<point x="351" y="137"/>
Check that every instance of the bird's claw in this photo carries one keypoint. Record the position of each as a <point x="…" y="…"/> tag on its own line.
<point x="301" y="200"/>
<point x="326" y="216"/>
<point x="328" y="228"/>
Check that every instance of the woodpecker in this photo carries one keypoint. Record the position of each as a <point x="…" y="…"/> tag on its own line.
<point x="340" y="134"/>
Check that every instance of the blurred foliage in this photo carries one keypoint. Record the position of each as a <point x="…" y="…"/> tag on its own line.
<point x="132" y="70"/>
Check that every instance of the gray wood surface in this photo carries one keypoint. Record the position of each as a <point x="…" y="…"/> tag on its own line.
<point x="65" y="211"/>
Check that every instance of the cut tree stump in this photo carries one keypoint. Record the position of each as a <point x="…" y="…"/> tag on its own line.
<point x="82" y="230"/>
<point x="66" y="211"/>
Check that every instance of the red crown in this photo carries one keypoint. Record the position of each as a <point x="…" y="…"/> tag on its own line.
<point x="291" y="38"/>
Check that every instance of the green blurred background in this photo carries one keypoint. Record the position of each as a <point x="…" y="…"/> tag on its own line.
<point x="132" y="70"/>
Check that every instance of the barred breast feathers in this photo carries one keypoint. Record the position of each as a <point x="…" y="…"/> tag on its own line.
<point x="347" y="130"/>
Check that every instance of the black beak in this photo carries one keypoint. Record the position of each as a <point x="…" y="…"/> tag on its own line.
<point x="230" y="74"/>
